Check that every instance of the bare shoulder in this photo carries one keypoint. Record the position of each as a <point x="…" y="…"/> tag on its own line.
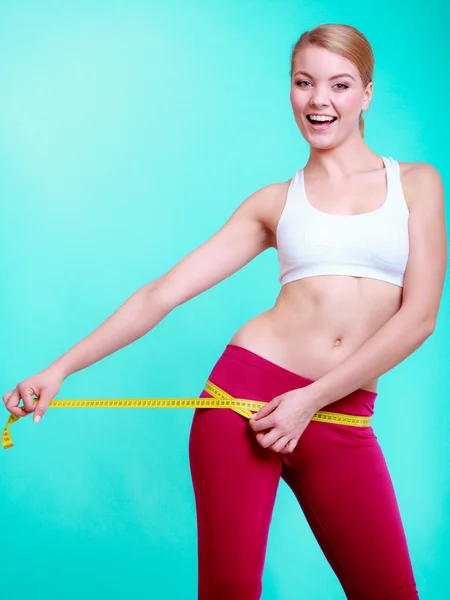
<point x="268" y="202"/>
<point x="421" y="182"/>
<point x="419" y="170"/>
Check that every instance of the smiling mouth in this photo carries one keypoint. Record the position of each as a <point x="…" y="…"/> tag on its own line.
<point x="315" y="122"/>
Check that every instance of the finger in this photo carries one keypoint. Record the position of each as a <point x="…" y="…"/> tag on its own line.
<point x="290" y="447"/>
<point x="5" y="398"/>
<point x="42" y="405"/>
<point x="269" y="438"/>
<point x="265" y="423"/>
<point x="26" y="394"/>
<point x="285" y="449"/>
<point x="262" y="412"/>
<point x="266" y="409"/>
<point x="280" y="444"/>
<point x="292" y="444"/>
<point x="260" y="437"/>
<point x="13" y="404"/>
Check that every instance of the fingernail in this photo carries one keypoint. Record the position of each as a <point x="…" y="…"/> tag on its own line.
<point x="37" y="418"/>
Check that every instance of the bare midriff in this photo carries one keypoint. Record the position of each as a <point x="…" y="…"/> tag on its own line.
<point x="319" y="321"/>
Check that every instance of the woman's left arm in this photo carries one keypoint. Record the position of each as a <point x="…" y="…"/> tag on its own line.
<point x="424" y="279"/>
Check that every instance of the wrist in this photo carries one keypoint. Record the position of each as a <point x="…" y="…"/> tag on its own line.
<point x="319" y="395"/>
<point x="57" y="371"/>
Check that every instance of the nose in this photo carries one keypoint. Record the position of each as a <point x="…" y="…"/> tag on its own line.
<point x="319" y="98"/>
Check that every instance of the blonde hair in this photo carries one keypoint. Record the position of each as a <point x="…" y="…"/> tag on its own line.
<point x="345" y="40"/>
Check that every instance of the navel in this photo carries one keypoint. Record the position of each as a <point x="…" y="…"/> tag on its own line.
<point x="337" y="342"/>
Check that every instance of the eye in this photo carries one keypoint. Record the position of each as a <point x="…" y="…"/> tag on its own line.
<point x="300" y="84"/>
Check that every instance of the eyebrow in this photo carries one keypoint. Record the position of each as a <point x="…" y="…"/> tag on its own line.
<point x="330" y="79"/>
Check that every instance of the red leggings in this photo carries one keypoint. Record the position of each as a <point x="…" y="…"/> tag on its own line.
<point x="337" y="472"/>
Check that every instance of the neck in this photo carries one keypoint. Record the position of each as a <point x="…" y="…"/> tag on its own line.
<point x="342" y="161"/>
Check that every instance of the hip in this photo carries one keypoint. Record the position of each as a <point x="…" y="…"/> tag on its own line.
<point x="242" y="373"/>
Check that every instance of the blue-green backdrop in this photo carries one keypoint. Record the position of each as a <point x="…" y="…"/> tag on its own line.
<point x="129" y="132"/>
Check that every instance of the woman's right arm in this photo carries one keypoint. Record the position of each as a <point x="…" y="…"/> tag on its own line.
<point x="242" y="238"/>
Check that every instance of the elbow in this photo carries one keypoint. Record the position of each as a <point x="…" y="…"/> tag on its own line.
<point x="421" y="322"/>
<point x="161" y="295"/>
<point x="425" y="327"/>
<point x="430" y="325"/>
<point x="420" y="327"/>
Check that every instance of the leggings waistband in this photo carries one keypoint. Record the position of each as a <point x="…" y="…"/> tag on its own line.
<point x="357" y="402"/>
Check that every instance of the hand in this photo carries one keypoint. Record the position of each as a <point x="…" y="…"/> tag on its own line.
<point x="45" y="385"/>
<point x="286" y="416"/>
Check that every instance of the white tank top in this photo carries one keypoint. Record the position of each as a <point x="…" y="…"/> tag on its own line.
<point x="373" y="244"/>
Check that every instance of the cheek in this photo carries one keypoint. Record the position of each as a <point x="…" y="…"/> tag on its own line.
<point x="298" y="101"/>
<point x="348" y="104"/>
<point x="298" y="104"/>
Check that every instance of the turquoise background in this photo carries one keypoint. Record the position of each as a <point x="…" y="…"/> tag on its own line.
<point x="129" y="133"/>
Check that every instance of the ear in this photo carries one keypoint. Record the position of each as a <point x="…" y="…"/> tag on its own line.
<point x="367" y="96"/>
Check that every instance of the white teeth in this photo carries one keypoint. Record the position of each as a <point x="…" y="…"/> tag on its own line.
<point x="320" y="118"/>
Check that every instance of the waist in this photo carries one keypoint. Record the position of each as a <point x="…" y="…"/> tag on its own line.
<point x="268" y="379"/>
<point x="308" y="356"/>
<point x="317" y="322"/>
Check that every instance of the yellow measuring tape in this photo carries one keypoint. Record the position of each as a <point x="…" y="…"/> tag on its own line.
<point x="220" y="399"/>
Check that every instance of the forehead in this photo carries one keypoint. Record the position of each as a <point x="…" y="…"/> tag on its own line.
<point x="323" y="63"/>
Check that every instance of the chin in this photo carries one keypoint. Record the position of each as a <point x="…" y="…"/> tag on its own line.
<point x="322" y="144"/>
<point x="317" y="142"/>
<point x="321" y="148"/>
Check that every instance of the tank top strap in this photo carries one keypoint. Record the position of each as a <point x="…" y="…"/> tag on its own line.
<point x="295" y="198"/>
<point x="395" y="196"/>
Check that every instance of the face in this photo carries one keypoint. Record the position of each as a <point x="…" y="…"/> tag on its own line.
<point x="315" y="90"/>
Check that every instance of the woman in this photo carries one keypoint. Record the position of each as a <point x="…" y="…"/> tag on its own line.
<point x="362" y="247"/>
